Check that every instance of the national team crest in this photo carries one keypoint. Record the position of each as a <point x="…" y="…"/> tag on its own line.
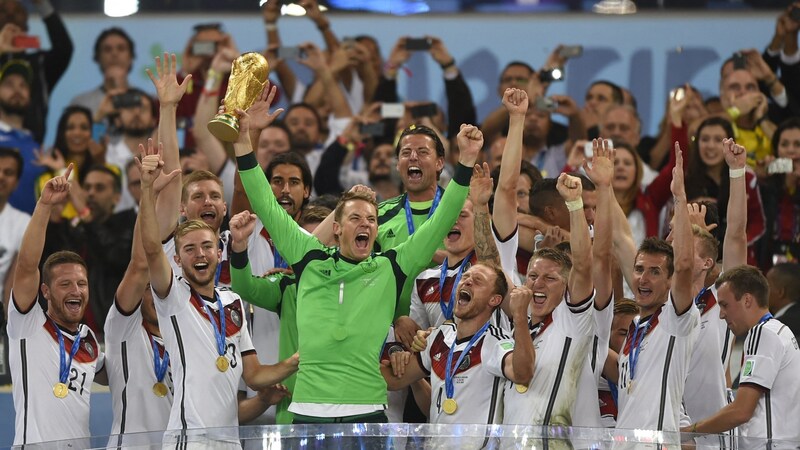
<point x="236" y="317"/>
<point x="90" y="349"/>
<point x="464" y="364"/>
<point x="369" y="266"/>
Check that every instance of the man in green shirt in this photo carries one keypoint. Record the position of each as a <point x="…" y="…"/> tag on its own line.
<point x="346" y="295"/>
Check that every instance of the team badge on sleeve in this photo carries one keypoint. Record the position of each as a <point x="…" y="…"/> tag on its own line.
<point x="749" y="365"/>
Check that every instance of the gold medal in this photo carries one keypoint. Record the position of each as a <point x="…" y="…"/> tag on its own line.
<point x="222" y="364"/>
<point x="160" y="389"/>
<point x="450" y="406"/>
<point x="521" y="388"/>
<point x="60" y="390"/>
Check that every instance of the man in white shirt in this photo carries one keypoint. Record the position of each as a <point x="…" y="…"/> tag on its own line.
<point x="12" y="221"/>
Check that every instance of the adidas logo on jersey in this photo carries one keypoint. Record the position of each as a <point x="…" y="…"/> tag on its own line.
<point x="326" y="272"/>
<point x="437" y="357"/>
<point x="390" y="234"/>
<point x="430" y="291"/>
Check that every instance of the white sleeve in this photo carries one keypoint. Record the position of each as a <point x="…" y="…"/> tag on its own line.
<point x="336" y="127"/>
<point x="176" y="300"/>
<point x="120" y="327"/>
<point x="576" y="320"/>
<point x="227" y="175"/>
<point x="682" y="325"/>
<point x="602" y="321"/>
<point x="22" y="325"/>
<point x="762" y="358"/>
<point x="425" y="355"/>
<point x="508" y="252"/>
<point x="493" y="355"/>
<point x="417" y="312"/>
<point x="245" y="341"/>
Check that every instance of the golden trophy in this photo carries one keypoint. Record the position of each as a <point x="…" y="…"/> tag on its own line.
<point x="248" y="76"/>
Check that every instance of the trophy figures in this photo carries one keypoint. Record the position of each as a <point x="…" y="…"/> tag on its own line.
<point x="248" y="77"/>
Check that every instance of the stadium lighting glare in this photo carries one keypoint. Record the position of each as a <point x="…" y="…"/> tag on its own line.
<point x="614" y="7"/>
<point x="292" y="9"/>
<point x="120" y="8"/>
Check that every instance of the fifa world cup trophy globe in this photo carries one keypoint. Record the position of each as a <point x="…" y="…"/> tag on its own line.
<point x="248" y="77"/>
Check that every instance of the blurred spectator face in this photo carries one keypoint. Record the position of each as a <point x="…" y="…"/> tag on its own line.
<point x="137" y="121"/>
<point x="381" y="162"/>
<point x="303" y="125"/>
<point x="599" y="98"/>
<point x="624" y="170"/>
<point x="13" y="11"/>
<point x="537" y="125"/>
<point x="134" y="178"/>
<point x="418" y="162"/>
<point x="15" y="94"/>
<point x="272" y="141"/>
<point x="287" y="185"/>
<point x="709" y="145"/>
<point x="496" y="152"/>
<point x="514" y="76"/>
<point x="374" y="52"/>
<point x="524" y="186"/>
<point x="9" y="176"/>
<point x="115" y="52"/>
<point x="789" y="144"/>
<point x="78" y="133"/>
<point x="619" y="124"/>
<point x="194" y="161"/>
<point x="736" y="84"/>
<point x="589" y="205"/>
<point x="100" y="195"/>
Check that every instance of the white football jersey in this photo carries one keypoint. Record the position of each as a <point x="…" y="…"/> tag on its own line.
<point x="426" y="310"/>
<point x="654" y="400"/>
<point x="507" y="248"/>
<point x="204" y="397"/>
<point x="772" y="363"/>
<point x="563" y="343"/>
<point x="587" y="407"/>
<point x="34" y="360"/>
<point x="478" y="380"/>
<point x="131" y="376"/>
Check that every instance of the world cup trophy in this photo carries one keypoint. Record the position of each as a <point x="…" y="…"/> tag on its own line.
<point x="248" y="77"/>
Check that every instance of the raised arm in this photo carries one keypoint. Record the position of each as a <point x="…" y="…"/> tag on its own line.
<point x="683" y="243"/>
<point x="480" y="191"/>
<point x="601" y="172"/>
<point x="580" y="277"/>
<point x="159" y="269"/>
<point x="26" y="275"/>
<point x="734" y="247"/>
<point x="519" y="368"/>
<point x="505" y="198"/>
<point x="623" y="248"/>
<point x="315" y="61"/>
<point x="169" y="95"/>
<point x="134" y="282"/>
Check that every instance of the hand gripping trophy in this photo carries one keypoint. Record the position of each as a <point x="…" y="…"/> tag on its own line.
<point x="248" y="76"/>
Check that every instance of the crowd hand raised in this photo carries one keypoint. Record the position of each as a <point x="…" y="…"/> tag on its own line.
<point x="677" y="106"/>
<point x="516" y="101"/>
<point x="54" y="160"/>
<point x="697" y="216"/>
<point x="481" y="186"/>
<point x="748" y="102"/>
<point x="569" y="187"/>
<point x="312" y="11"/>
<point x="601" y="171"/>
<point x="7" y="35"/>
<point x="342" y="58"/>
<point x="399" y="54"/>
<point x="470" y="143"/>
<point x="677" y="186"/>
<point x="315" y="59"/>
<point x="566" y="105"/>
<point x="150" y="164"/>
<point x="166" y="80"/>
<point x="757" y="66"/>
<point x="421" y="340"/>
<point x="242" y="226"/>
<point x="56" y="190"/>
<point x="223" y="60"/>
<point x="735" y="155"/>
<point x="552" y="236"/>
<point x="405" y="328"/>
<point x="439" y="51"/>
<point x="577" y="155"/>
<point x="554" y="59"/>
<point x="260" y="117"/>
<point x="272" y="395"/>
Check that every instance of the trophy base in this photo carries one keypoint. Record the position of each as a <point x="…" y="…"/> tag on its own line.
<point x="224" y="127"/>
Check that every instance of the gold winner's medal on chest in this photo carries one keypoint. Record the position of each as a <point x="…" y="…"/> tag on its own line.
<point x="521" y="388"/>
<point x="222" y="363"/>
<point x="450" y="406"/>
<point x="60" y="390"/>
<point x="160" y="389"/>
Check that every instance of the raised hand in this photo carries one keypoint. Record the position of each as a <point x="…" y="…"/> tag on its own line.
<point x="7" y="35"/>
<point x="481" y="186"/>
<point x="242" y="226"/>
<point x="470" y="143"/>
<point x="312" y="11"/>
<point x="569" y="187"/>
<point x="56" y="190"/>
<point x="697" y="216"/>
<point x="271" y="11"/>
<point x="439" y="51"/>
<point x="678" y="187"/>
<point x="53" y="161"/>
<point x="314" y="59"/>
<point x="399" y="54"/>
<point x="365" y="189"/>
<point x="516" y="101"/>
<point x="166" y="81"/>
<point x="521" y="297"/>
<point x="150" y="164"/>
<point x="601" y="171"/>
<point x="260" y="117"/>
<point x="735" y="154"/>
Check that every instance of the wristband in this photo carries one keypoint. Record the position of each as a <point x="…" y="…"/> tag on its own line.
<point x="448" y="64"/>
<point x="84" y="213"/>
<point x="270" y="26"/>
<point x="574" y="205"/>
<point x="694" y="427"/>
<point x="210" y="93"/>
<point x="734" y="112"/>
<point x="735" y="173"/>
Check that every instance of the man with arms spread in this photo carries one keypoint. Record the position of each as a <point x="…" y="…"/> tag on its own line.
<point x="654" y="360"/>
<point x="766" y="401"/>
<point x="53" y="356"/>
<point x="340" y="326"/>
<point x="205" y="330"/>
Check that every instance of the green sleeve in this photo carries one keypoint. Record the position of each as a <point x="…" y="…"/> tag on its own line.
<point x="289" y="239"/>
<point x="416" y="253"/>
<point x="263" y="292"/>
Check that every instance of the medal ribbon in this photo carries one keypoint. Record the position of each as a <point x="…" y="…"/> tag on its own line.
<point x="218" y="333"/>
<point x="159" y="364"/>
<point x="64" y="364"/>
<point x="279" y="263"/>
<point x="447" y="308"/>
<point x="219" y="265"/>
<point x="636" y="344"/>
<point x="409" y="215"/>
<point x="699" y="297"/>
<point x="765" y="318"/>
<point x="449" y="387"/>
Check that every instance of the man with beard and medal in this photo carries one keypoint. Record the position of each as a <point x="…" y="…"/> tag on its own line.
<point x="15" y="95"/>
<point x="347" y="295"/>
<point x="204" y="327"/>
<point x="54" y="358"/>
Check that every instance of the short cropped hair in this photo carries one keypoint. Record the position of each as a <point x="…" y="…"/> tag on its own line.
<point x="709" y="246"/>
<point x="544" y="193"/>
<point x="423" y="130"/>
<point x="313" y="214"/>
<point x="557" y="256"/>
<point x="196" y="177"/>
<point x="617" y="96"/>
<point x="625" y="306"/>
<point x="348" y="196"/>
<point x="8" y="152"/>
<point x="115" y="176"/>
<point x="656" y="246"/>
<point x="57" y="259"/>
<point x="500" y="283"/>
<point x="746" y="280"/>
<point x="187" y="227"/>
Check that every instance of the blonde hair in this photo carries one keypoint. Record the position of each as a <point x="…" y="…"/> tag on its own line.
<point x="196" y="177"/>
<point x="189" y="226"/>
